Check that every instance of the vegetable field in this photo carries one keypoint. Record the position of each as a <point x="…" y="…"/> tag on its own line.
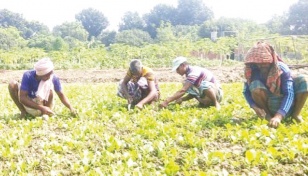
<point x="107" y="139"/>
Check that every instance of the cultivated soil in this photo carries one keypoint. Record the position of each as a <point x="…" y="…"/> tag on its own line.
<point x="224" y="74"/>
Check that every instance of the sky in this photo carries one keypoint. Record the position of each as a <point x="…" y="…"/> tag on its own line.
<point x="56" y="12"/>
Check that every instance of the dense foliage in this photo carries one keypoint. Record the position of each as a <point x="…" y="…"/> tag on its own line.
<point x="93" y="21"/>
<point x="107" y="139"/>
<point x="157" y="37"/>
<point x="154" y="55"/>
<point x="298" y="19"/>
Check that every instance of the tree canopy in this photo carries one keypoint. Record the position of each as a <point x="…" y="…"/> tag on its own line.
<point x="160" y="13"/>
<point x="298" y="18"/>
<point x="71" y="29"/>
<point x="191" y="12"/>
<point x="28" y="29"/>
<point x="131" y="20"/>
<point x="93" y="21"/>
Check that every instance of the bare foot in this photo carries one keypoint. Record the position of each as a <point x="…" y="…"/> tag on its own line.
<point x="299" y="119"/>
<point x="218" y="107"/>
<point x="23" y="115"/>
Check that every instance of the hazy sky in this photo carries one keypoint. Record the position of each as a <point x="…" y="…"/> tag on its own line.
<point x="55" y="12"/>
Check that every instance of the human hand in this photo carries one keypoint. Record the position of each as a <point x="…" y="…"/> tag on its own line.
<point x="163" y="104"/>
<point x="130" y="100"/>
<point x="74" y="113"/>
<point x="139" y="106"/>
<point x="179" y="101"/>
<point x="275" y="121"/>
<point x="298" y="119"/>
<point x="46" y="110"/>
<point x="260" y="112"/>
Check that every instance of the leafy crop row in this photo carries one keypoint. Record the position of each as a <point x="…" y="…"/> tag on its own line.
<point x="153" y="55"/>
<point x="107" y="139"/>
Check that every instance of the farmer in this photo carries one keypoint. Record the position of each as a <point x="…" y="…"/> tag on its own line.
<point x="34" y="95"/>
<point x="139" y="85"/>
<point x="270" y="90"/>
<point x="199" y="84"/>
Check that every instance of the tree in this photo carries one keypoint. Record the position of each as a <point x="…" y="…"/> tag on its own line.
<point x="108" y="38"/>
<point x="298" y="19"/>
<point x="186" y="32"/>
<point x="160" y="13"/>
<point x="71" y="29"/>
<point x="192" y="12"/>
<point x="134" y="37"/>
<point x="42" y="41"/>
<point x="34" y="28"/>
<point x="8" y="18"/>
<point x="206" y="28"/>
<point x="165" y="33"/>
<point x="93" y="21"/>
<point x="131" y="20"/>
<point x="28" y="29"/>
<point x="74" y="43"/>
<point x="277" y="24"/>
<point x="10" y="38"/>
<point x="236" y="27"/>
<point x="59" y="44"/>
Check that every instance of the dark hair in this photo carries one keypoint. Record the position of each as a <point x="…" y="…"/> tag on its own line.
<point x="135" y="66"/>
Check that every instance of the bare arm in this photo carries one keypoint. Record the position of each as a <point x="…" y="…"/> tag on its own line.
<point x="150" y="96"/>
<point x="186" y="98"/>
<point x="29" y="103"/>
<point x="177" y="94"/>
<point x="65" y="101"/>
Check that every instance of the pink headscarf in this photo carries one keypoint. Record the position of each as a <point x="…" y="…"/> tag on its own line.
<point x="43" y="66"/>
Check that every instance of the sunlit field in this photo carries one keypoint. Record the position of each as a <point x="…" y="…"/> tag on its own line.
<point x="107" y="139"/>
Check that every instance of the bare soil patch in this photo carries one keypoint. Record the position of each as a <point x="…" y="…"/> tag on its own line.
<point x="224" y="74"/>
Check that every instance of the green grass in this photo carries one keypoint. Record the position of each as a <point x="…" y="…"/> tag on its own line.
<point x="106" y="139"/>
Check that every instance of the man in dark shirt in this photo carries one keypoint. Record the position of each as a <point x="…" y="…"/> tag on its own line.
<point x="35" y="96"/>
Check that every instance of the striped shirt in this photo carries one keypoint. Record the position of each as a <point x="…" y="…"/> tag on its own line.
<point x="195" y="75"/>
<point x="287" y="90"/>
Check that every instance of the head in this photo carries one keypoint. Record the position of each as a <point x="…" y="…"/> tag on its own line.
<point x="261" y="53"/>
<point x="263" y="56"/>
<point x="263" y="67"/>
<point x="44" y="69"/>
<point x="179" y="65"/>
<point x="135" y="67"/>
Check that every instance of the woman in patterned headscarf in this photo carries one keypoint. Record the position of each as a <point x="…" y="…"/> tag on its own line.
<point x="270" y="89"/>
<point x="35" y="94"/>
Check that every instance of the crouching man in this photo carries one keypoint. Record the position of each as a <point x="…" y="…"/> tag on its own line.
<point x="139" y="86"/>
<point x="34" y="95"/>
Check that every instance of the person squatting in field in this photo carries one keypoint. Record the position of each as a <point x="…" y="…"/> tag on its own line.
<point x="139" y="85"/>
<point x="200" y="84"/>
<point x="270" y="89"/>
<point x="34" y="95"/>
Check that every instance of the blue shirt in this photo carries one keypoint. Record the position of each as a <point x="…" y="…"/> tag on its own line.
<point x="286" y="88"/>
<point x="30" y="84"/>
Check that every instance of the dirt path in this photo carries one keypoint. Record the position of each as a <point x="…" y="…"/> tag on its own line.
<point x="224" y="74"/>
